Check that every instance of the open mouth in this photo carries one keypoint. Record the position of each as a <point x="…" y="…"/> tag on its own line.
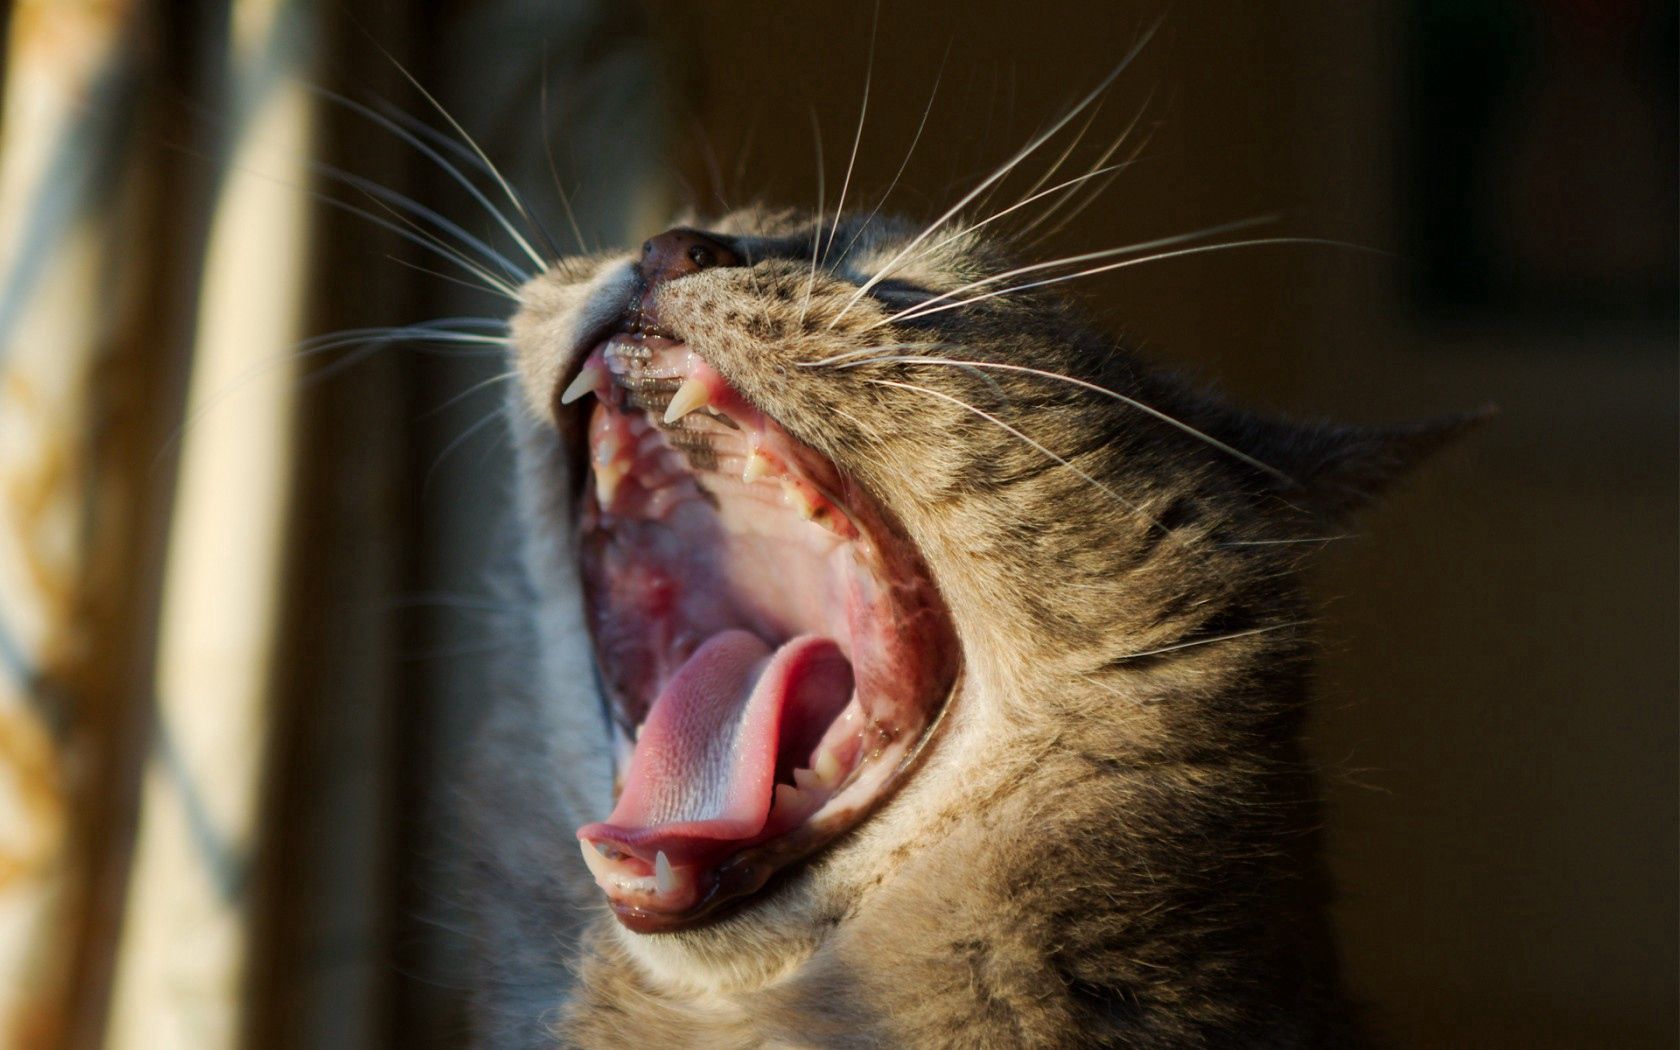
<point x="772" y="648"/>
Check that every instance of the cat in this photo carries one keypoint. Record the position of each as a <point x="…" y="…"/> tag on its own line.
<point x="952" y="660"/>
<point x="907" y="663"/>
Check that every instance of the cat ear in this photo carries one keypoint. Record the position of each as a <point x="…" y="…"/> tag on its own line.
<point x="1337" y="469"/>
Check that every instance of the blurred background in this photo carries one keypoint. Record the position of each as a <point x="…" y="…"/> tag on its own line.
<point x="245" y="514"/>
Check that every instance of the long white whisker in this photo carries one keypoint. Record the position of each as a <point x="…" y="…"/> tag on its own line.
<point x="995" y="421"/>
<point x="368" y="341"/>
<point x="1159" y="256"/>
<point x="425" y="240"/>
<point x="905" y="163"/>
<point x="816" y="234"/>
<point x="392" y="197"/>
<point x="491" y="281"/>
<point x="440" y="326"/>
<point x="1079" y="136"/>
<point x="495" y="173"/>
<point x="1002" y="171"/>
<point x="467" y="156"/>
<point x="553" y="168"/>
<point x="857" y="138"/>
<point x="928" y="306"/>
<point x="1113" y="148"/>
<point x="1192" y="643"/>
<point x="1289" y="542"/>
<point x="451" y="278"/>
<point x="449" y="168"/>
<point x="852" y="354"/>
<point x="966" y="230"/>
<point x="500" y="377"/>
<point x="460" y="439"/>
<point x="1094" y="388"/>
<point x="1091" y="197"/>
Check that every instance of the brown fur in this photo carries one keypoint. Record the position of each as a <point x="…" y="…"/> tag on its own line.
<point x="1112" y="837"/>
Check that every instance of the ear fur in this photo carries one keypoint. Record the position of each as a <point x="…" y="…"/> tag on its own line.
<point x="1337" y="468"/>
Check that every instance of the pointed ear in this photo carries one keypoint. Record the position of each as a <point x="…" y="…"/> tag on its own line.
<point x="1337" y="469"/>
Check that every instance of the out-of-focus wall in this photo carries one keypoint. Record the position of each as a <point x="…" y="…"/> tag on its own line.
<point x="1498" y="716"/>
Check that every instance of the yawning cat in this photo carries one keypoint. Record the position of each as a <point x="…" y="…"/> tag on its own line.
<point x="910" y="664"/>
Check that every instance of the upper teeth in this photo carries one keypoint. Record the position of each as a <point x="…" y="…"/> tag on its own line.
<point x="587" y="382"/>
<point x="758" y="465"/>
<point x="690" y="396"/>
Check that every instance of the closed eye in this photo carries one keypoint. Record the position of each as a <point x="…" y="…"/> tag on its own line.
<point x="899" y="293"/>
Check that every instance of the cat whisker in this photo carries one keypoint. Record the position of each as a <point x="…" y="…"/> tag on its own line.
<point x="1050" y="172"/>
<point x="928" y="306"/>
<point x="863" y="351"/>
<point x="1158" y="257"/>
<point x="857" y="138"/>
<point x="467" y="156"/>
<point x="966" y="230"/>
<point x="500" y="377"/>
<point x="1194" y="642"/>
<point x="391" y="199"/>
<point x="816" y="233"/>
<point x="422" y="238"/>
<point x="366" y="340"/>
<point x="905" y="163"/>
<point x="1095" y="388"/>
<point x="452" y="279"/>
<point x="449" y="168"/>
<point x="490" y="281"/>
<point x="553" y="168"/>
<point x="458" y="441"/>
<point x="1285" y="542"/>
<point x="1102" y="160"/>
<point x="489" y="165"/>
<point x="1002" y="171"/>
<point x="995" y="421"/>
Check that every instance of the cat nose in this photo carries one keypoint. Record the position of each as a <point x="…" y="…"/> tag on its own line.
<point x="679" y="252"/>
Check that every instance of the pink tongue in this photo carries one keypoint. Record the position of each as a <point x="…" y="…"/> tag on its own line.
<point x="704" y="770"/>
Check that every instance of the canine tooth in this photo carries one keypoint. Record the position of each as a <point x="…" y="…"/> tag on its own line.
<point x="827" y="769"/>
<point x="607" y="479"/>
<point x="758" y="465"/>
<point x="664" y="879"/>
<point x="598" y="865"/>
<point x="807" y="780"/>
<point x="587" y="382"/>
<point x="690" y="396"/>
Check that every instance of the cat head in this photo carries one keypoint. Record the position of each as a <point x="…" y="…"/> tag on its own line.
<point x="857" y="505"/>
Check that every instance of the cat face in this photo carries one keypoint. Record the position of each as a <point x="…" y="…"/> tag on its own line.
<point x="854" y="504"/>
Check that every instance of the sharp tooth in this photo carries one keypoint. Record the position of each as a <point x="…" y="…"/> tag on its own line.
<point x="799" y="500"/>
<point x="664" y="879"/>
<point x="587" y="382"/>
<point x="607" y="479"/>
<point x="789" y="798"/>
<point x="690" y="396"/>
<point x="758" y="465"/>
<point x="807" y="780"/>
<point x="827" y="769"/>
<point x="607" y="449"/>
<point x="599" y="866"/>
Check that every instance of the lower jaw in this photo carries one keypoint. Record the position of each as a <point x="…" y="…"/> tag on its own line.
<point x="741" y="879"/>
